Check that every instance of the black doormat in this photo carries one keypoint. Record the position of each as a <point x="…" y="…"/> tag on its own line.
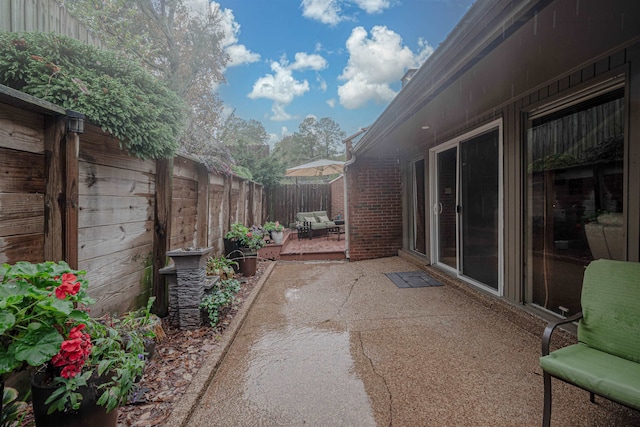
<point x="413" y="279"/>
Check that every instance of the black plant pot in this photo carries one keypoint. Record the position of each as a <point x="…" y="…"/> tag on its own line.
<point x="89" y="414"/>
<point x="232" y="251"/>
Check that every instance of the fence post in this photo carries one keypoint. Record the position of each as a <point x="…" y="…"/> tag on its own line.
<point x="162" y="232"/>
<point x="202" y="220"/>
<point x="70" y="241"/>
<point x="55" y="187"/>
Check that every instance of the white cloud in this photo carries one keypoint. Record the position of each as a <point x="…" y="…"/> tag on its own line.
<point x="325" y="11"/>
<point x="322" y="84"/>
<point x="375" y="63"/>
<point x="425" y="52"/>
<point x="331" y="102"/>
<point x="238" y="53"/>
<point x="373" y="6"/>
<point x="280" y="87"/>
<point x="331" y="11"/>
<point x="306" y="61"/>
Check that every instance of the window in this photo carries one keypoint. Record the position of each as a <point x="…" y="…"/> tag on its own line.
<point x="575" y="174"/>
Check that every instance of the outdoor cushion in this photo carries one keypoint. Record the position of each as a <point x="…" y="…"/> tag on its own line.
<point x="300" y="216"/>
<point x="613" y="377"/>
<point x="310" y="219"/>
<point x="323" y="218"/>
<point x="611" y="319"/>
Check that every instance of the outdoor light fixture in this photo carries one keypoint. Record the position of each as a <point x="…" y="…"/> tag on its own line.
<point x="425" y="127"/>
<point x="75" y="121"/>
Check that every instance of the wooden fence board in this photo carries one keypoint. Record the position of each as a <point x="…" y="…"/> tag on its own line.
<point x="112" y="181"/>
<point x="22" y="172"/>
<point x="21" y="214"/>
<point x="103" y="240"/>
<point x="111" y="267"/>
<point x="98" y="148"/>
<point x="286" y="200"/>
<point x="104" y="210"/>
<point x="21" y="130"/>
<point x="29" y="247"/>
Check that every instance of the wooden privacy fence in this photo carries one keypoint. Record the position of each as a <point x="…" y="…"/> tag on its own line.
<point x="284" y="201"/>
<point x="81" y="199"/>
<point x="43" y="16"/>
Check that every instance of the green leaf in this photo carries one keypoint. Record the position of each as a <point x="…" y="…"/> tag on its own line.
<point x="7" y="320"/>
<point x="78" y="315"/>
<point x="8" y="360"/>
<point x="38" y="345"/>
<point x="56" y="305"/>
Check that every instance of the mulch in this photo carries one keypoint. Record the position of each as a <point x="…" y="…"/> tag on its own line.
<point x="176" y="361"/>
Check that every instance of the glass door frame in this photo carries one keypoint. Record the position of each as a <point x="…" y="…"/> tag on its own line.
<point x="413" y="232"/>
<point x="433" y="204"/>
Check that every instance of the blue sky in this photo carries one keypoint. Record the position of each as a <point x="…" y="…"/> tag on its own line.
<point x="343" y="59"/>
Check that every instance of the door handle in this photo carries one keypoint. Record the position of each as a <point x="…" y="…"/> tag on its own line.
<point x="440" y="207"/>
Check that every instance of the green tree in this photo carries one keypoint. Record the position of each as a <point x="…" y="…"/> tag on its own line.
<point x="247" y="142"/>
<point x="177" y="45"/>
<point x="314" y="139"/>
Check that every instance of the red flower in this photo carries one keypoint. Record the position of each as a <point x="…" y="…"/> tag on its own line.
<point x="70" y="371"/>
<point x="69" y="286"/>
<point x="74" y="351"/>
<point x="75" y="331"/>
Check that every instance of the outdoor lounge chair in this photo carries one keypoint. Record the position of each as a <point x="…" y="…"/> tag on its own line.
<point x="606" y="359"/>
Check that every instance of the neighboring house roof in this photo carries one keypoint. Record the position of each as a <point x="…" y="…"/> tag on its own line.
<point x="484" y="27"/>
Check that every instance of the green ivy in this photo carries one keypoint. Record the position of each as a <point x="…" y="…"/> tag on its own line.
<point x="113" y="92"/>
<point x="221" y="297"/>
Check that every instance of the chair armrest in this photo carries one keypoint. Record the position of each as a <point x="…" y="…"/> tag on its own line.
<point x="546" y="336"/>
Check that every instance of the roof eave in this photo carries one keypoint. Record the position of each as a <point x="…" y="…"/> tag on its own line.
<point x="457" y="54"/>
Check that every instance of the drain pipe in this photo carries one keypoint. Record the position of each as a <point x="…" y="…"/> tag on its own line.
<point x="350" y="160"/>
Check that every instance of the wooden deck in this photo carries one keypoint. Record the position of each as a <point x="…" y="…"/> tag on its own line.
<point x="320" y="248"/>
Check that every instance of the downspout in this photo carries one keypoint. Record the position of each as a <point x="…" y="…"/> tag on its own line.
<point x="351" y="158"/>
<point x="346" y="202"/>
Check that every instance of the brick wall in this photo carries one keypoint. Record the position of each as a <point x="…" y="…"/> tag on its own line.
<point x="337" y="197"/>
<point x="374" y="189"/>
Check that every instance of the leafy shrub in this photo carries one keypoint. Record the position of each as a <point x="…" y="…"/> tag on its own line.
<point x="115" y="93"/>
<point x="220" y="298"/>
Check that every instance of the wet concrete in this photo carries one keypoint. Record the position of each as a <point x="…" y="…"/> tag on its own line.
<point x="338" y="344"/>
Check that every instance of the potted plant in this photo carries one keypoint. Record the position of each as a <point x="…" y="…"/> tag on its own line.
<point x="233" y="238"/>
<point x="250" y="243"/>
<point x="276" y="230"/>
<point x="146" y="324"/>
<point x="81" y="362"/>
<point x="12" y="411"/>
<point x="222" y="267"/>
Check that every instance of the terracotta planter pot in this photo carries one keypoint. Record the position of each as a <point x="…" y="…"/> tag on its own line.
<point x="89" y="413"/>
<point x="248" y="264"/>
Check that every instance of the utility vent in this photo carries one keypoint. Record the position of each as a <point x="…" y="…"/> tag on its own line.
<point x="408" y="75"/>
<point x="413" y="279"/>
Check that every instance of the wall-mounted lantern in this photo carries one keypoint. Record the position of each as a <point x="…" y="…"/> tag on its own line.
<point x="75" y="121"/>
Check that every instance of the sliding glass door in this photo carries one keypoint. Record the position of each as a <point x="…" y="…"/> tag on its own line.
<point x="466" y="207"/>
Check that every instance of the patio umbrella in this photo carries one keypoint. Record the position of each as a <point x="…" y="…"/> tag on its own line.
<point x="317" y="168"/>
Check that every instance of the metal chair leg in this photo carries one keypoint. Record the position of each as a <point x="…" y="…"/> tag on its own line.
<point x="546" y="413"/>
<point x="592" y="397"/>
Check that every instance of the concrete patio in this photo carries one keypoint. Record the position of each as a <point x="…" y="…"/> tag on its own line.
<point x="340" y="344"/>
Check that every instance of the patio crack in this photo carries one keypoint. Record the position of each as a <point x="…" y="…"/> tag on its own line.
<point x="348" y="297"/>
<point x="379" y="375"/>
